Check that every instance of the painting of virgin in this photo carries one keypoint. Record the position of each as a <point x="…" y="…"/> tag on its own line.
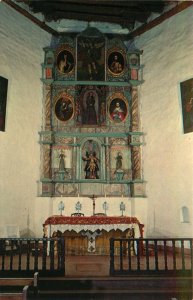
<point x="91" y="106"/>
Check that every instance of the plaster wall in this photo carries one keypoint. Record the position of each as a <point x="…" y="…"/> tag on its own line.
<point x="168" y="152"/>
<point x="21" y="55"/>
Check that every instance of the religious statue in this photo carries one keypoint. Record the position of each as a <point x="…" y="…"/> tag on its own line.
<point x="119" y="171"/>
<point x="91" y="167"/>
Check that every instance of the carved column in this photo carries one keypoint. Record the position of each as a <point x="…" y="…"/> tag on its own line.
<point x="47" y="107"/>
<point x="46" y="168"/>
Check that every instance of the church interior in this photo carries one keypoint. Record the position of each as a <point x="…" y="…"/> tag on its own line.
<point x="96" y="110"/>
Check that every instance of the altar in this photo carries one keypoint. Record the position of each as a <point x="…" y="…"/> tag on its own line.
<point x="91" y="234"/>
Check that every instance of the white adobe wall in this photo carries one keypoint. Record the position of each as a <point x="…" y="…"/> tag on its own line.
<point x="21" y="55"/>
<point x="168" y="154"/>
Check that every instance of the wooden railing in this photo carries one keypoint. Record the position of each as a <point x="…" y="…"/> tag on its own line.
<point x="151" y="256"/>
<point x="26" y="256"/>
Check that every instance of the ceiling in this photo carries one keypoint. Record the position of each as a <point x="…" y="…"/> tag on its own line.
<point x="112" y="14"/>
<point x="122" y="12"/>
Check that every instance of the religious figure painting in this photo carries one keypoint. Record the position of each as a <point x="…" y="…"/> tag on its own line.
<point x="64" y="107"/>
<point x="65" y="60"/>
<point x="118" y="108"/>
<point x="186" y="88"/>
<point x="116" y="62"/>
<point x="3" y="101"/>
<point x="91" y="58"/>
<point x="91" y="106"/>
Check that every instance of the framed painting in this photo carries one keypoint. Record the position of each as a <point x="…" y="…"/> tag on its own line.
<point x="91" y="58"/>
<point x="118" y="108"/>
<point x="116" y="62"/>
<point x="3" y="101"/>
<point x="65" y="60"/>
<point x="64" y="107"/>
<point x="91" y="106"/>
<point x="186" y="89"/>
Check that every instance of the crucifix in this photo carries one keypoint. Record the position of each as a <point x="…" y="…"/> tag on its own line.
<point x="93" y="204"/>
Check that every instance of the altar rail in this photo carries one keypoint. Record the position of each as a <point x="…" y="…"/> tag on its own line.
<point x="151" y="256"/>
<point x="26" y="256"/>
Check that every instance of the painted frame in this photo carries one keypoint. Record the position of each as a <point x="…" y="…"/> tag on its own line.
<point x="118" y="108"/>
<point x="65" y="60"/>
<point x="186" y="89"/>
<point x="64" y="107"/>
<point x="116" y="61"/>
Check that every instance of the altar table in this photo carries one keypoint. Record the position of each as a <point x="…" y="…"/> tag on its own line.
<point x="92" y="227"/>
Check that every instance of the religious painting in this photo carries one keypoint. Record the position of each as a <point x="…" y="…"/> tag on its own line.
<point x="91" y="161"/>
<point x="186" y="88"/>
<point x="118" y="108"/>
<point x="65" y="60"/>
<point x="64" y="107"/>
<point x="91" y="58"/>
<point x="91" y="106"/>
<point x="3" y="101"/>
<point x="116" y="62"/>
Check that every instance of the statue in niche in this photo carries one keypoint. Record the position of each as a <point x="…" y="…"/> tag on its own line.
<point x="62" y="169"/>
<point x="91" y="167"/>
<point x="119" y="171"/>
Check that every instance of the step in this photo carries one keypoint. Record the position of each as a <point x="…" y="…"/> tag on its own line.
<point x="114" y="283"/>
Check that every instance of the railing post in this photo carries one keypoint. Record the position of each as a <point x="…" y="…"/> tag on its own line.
<point x="112" y="256"/>
<point x="44" y="254"/>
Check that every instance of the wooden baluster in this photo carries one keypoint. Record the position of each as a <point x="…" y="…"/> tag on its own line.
<point x="156" y="255"/>
<point x="11" y="256"/>
<point x="59" y="252"/>
<point x="112" y="242"/>
<point x="44" y="254"/>
<point x="52" y="254"/>
<point x="191" y="254"/>
<point x="165" y="256"/>
<point x="3" y="255"/>
<point x="138" y="254"/>
<point x="121" y="255"/>
<point x="147" y="254"/>
<point x="174" y="254"/>
<point x="20" y="254"/>
<point x="130" y="245"/>
<point x="36" y="256"/>
<point x="183" y="257"/>
<point x="28" y="255"/>
<point x="62" y="266"/>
